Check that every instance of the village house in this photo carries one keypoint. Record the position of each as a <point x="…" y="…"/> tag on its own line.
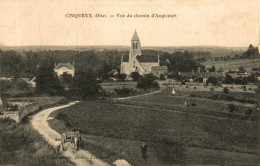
<point x="136" y="61"/>
<point x="158" y="70"/>
<point x="62" y="68"/>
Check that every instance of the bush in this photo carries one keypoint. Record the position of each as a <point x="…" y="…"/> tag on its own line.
<point x="249" y="112"/>
<point x="193" y="104"/>
<point x="121" y="77"/>
<point x="125" y="91"/>
<point x="64" y="118"/>
<point x="162" y="77"/>
<point x="194" y="87"/>
<point x="231" y="107"/>
<point x="226" y="90"/>
<point x="22" y="85"/>
<point x="212" y="89"/>
<point x="135" y="75"/>
<point x="148" y="82"/>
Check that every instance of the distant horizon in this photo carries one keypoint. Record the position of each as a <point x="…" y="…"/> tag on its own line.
<point x="1" y="46"/>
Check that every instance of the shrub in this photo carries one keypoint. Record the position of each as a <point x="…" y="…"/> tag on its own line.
<point x="125" y="91"/>
<point x="249" y="111"/>
<point x="212" y="89"/>
<point x="147" y="82"/>
<point x="194" y="87"/>
<point x="135" y="75"/>
<point x="64" y="118"/>
<point x="162" y="77"/>
<point x="231" y="107"/>
<point x="226" y="90"/>
<point x="193" y="104"/>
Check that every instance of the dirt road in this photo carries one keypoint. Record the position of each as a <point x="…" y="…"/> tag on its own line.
<point x="81" y="157"/>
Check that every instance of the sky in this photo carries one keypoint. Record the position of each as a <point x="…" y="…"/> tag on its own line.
<point x="231" y="23"/>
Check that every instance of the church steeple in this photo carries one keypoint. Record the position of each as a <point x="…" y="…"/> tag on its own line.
<point x="135" y="37"/>
<point x="135" y="48"/>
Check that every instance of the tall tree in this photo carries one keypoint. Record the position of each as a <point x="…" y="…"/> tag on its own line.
<point x="47" y="81"/>
<point x="85" y="84"/>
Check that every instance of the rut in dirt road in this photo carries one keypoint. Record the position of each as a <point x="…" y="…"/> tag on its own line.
<point x="81" y="157"/>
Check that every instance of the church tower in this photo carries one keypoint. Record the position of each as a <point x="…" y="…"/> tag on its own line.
<point x="135" y="50"/>
<point x="135" y="47"/>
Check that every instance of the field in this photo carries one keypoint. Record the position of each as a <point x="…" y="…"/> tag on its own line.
<point x="234" y="64"/>
<point x="114" y="130"/>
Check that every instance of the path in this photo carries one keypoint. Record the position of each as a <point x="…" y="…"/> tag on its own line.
<point x="81" y="157"/>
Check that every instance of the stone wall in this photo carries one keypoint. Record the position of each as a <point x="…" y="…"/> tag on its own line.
<point x="22" y="112"/>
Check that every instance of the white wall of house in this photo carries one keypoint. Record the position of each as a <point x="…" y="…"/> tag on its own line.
<point x="64" y="70"/>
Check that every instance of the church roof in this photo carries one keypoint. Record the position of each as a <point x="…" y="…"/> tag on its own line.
<point x="144" y="58"/>
<point x="135" y="36"/>
<point x="61" y="65"/>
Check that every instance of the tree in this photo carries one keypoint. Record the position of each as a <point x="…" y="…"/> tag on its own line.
<point x="85" y="84"/>
<point x="67" y="79"/>
<point x="212" y="69"/>
<point x="135" y="75"/>
<point x="226" y="90"/>
<point x="162" y="77"/>
<point x="121" y="77"/>
<point x="213" y="80"/>
<point x="148" y="82"/>
<point x="47" y="81"/>
<point x="241" y="69"/>
<point x="228" y="79"/>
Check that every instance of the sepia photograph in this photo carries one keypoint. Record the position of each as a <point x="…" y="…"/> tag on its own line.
<point x="129" y="82"/>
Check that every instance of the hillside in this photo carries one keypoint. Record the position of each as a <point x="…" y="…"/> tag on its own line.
<point x="214" y="50"/>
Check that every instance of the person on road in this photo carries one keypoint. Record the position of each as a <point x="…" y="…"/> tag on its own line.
<point x="144" y="150"/>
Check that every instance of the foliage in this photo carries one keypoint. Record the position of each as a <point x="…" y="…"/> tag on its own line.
<point x="213" y="80"/>
<point x="22" y="145"/>
<point x="212" y="69"/>
<point x="67" y="79"/>
<point x="226" y="90"/>
<point x="183" y="61"/>
<point x="125" y="91"/>
<point x="22" y="85"/>
<point x="85" y="84"/>
<point x="148" y="82"/>
<point x="47" y="81"/>
<point x="232" y="108"/>
<point x="135" y="75"/>
<point x="121" y="77"/>
<point x="162" y="77"/>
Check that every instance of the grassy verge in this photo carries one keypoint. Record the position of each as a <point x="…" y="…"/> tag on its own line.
<point x="164" y="131"/>
<point x="21" y="145"/>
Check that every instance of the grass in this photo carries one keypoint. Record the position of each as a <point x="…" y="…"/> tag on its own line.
<point x="203" y="104"/>
<point x="169" y="134"/>
<point x="234" y="64"/>
<point x="21" y="145"/>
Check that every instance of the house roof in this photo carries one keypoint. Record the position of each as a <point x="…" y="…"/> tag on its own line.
<point x="61" y="65"/>
<point x="135" y="37"/>
<point x="159" y="68"/>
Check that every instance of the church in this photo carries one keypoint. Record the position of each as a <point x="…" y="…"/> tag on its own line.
<point x="135" y="61"/>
